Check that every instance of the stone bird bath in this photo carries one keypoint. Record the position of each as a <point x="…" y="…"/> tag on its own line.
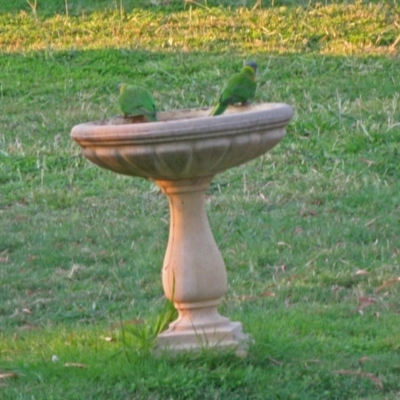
<point x="181" y="153"/>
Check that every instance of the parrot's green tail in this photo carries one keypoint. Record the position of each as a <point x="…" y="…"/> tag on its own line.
<point x="218" y="109"/>
<point x="152" y="117"/>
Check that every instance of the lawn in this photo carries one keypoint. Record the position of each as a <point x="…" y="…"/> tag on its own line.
<point x="309" y="232"/>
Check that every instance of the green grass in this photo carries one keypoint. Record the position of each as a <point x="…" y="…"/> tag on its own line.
<point x="81" y="248"/>
<point x="350" y="27"/>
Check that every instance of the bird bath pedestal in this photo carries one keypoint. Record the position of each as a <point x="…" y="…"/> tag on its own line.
<point x="181" y="153"/>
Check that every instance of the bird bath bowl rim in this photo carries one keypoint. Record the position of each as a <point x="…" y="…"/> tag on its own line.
<point x="184" y="143"/>
<point x="186" y="124"/>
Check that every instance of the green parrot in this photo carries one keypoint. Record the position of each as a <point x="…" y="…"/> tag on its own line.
<point x="239" y="89"/>
<point x="136" y="101"/>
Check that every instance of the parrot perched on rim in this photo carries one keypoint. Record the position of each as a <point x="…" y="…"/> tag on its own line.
<point x="136" y="101"/>
<point x="239" y="89"/>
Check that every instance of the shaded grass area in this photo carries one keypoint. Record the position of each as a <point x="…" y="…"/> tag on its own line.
<point x="309" y="232"/>
<point x="276" y="368"/>
<point x="84" y="247"/>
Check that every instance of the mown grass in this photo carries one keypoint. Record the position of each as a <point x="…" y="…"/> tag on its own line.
<point x="352" y="27"/>
<point x="309" y="232"/>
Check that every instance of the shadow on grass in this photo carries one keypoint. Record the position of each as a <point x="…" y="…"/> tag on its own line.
<point x="90" y="78"/>
<point x="72" y="272"/>
<point x="95" y="371"/>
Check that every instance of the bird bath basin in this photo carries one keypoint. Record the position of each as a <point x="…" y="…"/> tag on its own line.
<point x="181" y="153"/>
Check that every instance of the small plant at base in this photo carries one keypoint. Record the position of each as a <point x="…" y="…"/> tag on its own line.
<point x="143" y="335"/>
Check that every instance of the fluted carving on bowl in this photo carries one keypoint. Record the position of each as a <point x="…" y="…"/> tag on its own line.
<point x="184" y="144"/>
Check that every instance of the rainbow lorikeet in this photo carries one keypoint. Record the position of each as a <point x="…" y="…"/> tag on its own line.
<point x="239" y="89"/>
<point x="136" y="101"/>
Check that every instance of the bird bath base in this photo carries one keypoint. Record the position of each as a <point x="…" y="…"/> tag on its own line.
<point x="229" y="336"/>
<point x="194" y="273"/>
<point x="182" y="153"/>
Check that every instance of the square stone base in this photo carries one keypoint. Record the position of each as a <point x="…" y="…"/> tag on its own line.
<point x="229" y="336"/>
